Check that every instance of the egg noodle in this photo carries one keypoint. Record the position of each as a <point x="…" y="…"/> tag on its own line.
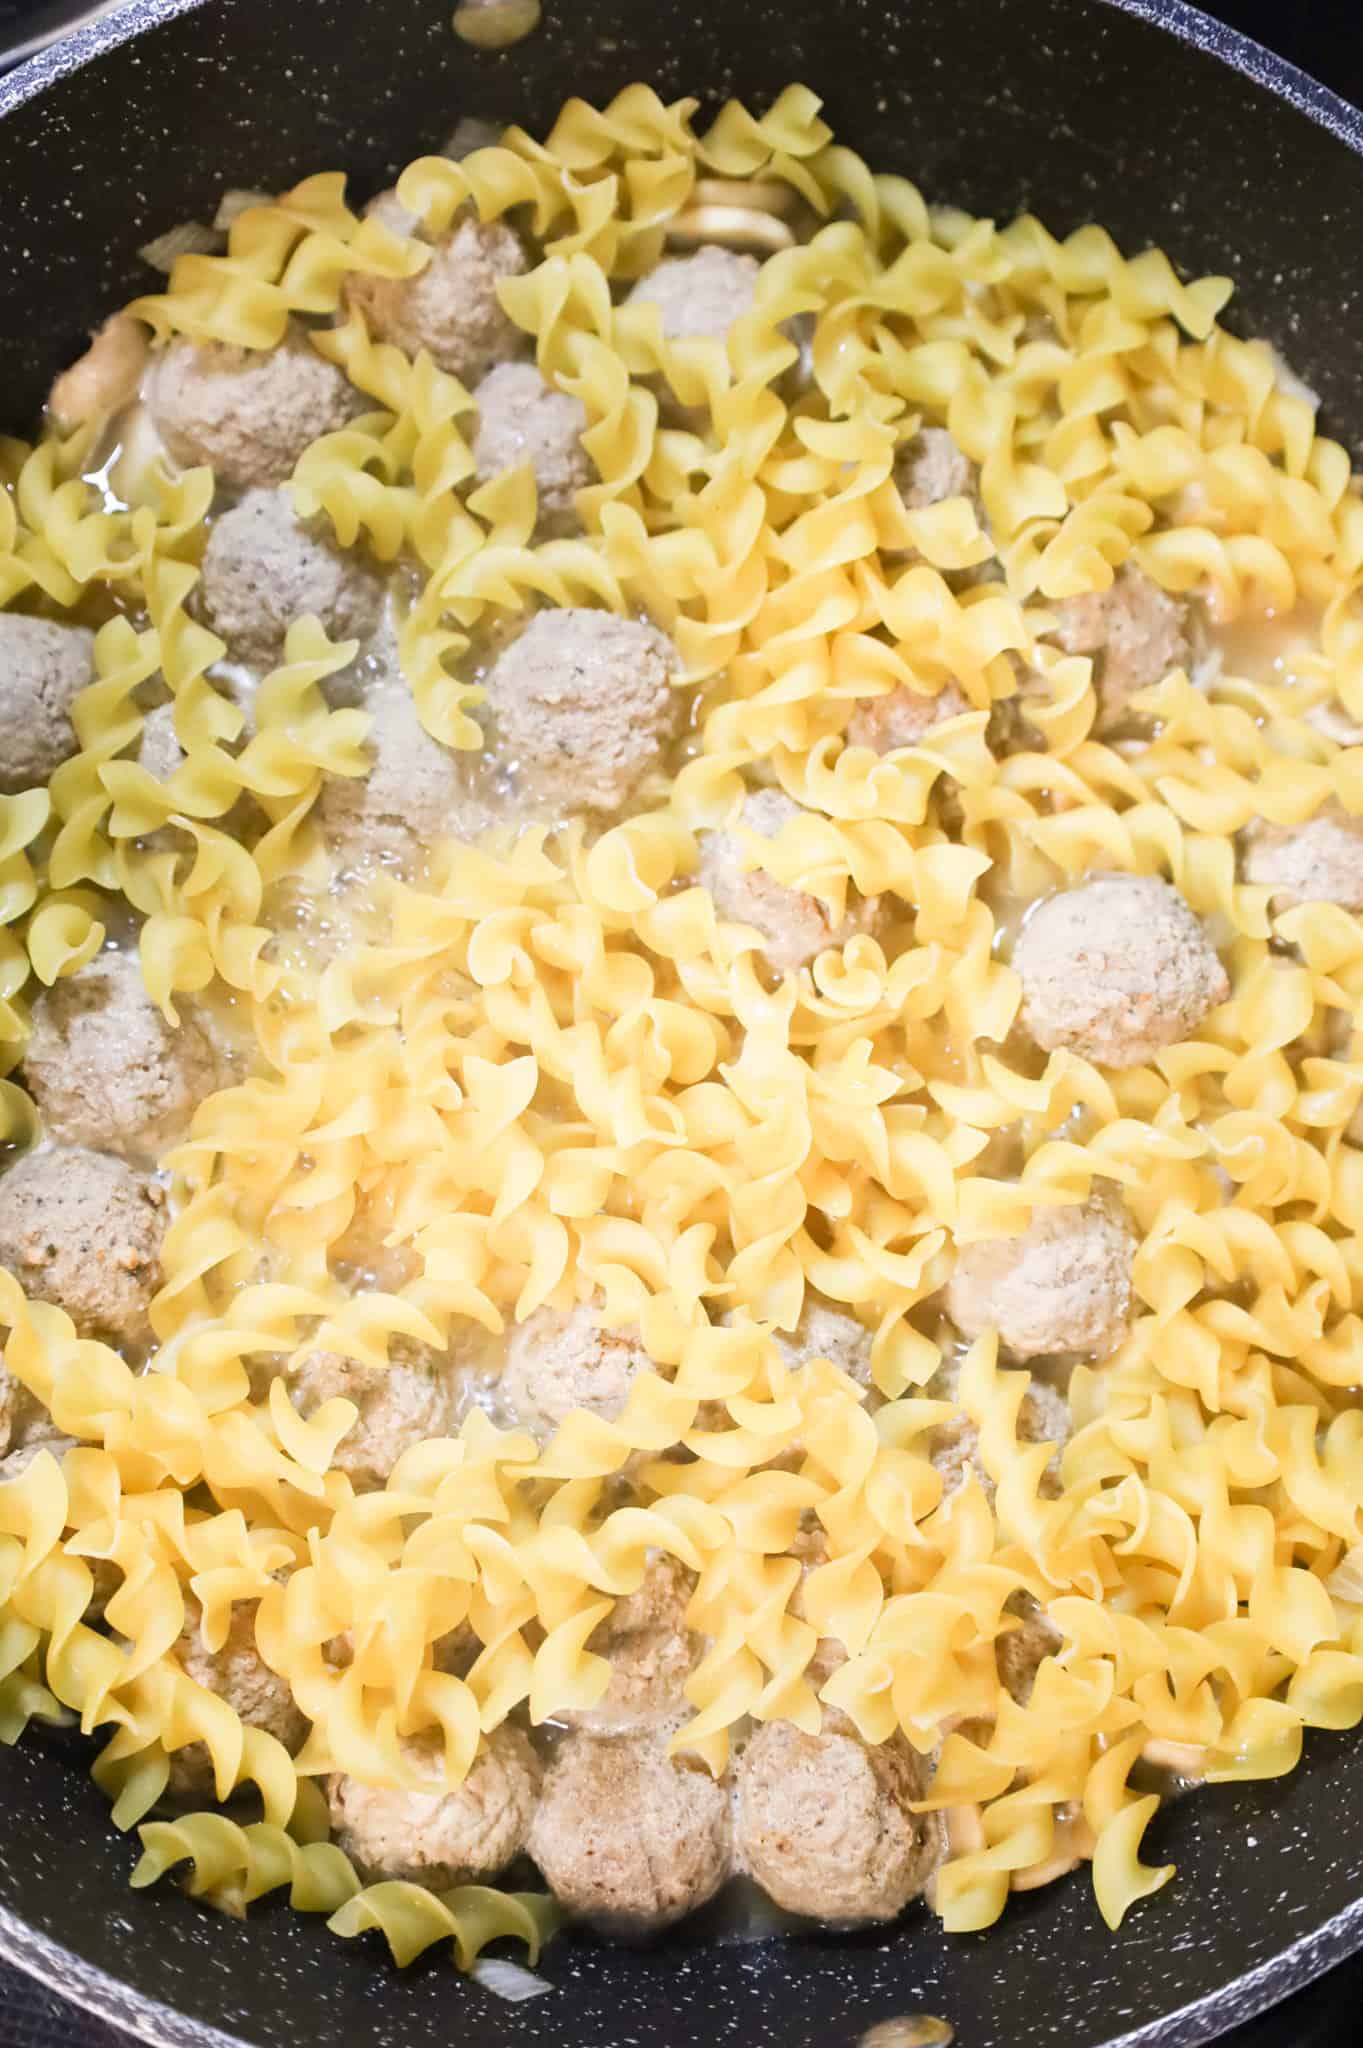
<point x="555" y="1075"/>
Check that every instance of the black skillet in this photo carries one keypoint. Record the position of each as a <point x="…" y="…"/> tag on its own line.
<point x="1148" y="118"/>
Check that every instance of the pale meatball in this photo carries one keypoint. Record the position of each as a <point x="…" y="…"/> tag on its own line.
<point x="238" y="1674"/>
<point x="902" y="717"/>
<point x="249" y="413"/>
<point x="414" y="795"/>
<point x="12" y="1394"/>
<point x="1019" y="1654"/>
<point x="264" y="568"/>
<point x="651" y="1653"/>
<point x="954" y="1446"/>
<point x="556" y="1363"/>
<point x="822" y="1822"/>
<point x="1063" y="1284"/>
<point x="451" y="308"/>
<point x="522" y="419"/>
<point x="1318" y="862"/>
<point x="825" y="1332"/>
<point x="795" y="926"/>
<point x="107" y="1070"/>
<point x="43" y="669"/>
<point x="931" y="468"/>
<point x="16" y="1461"/>
<point x="701" y="296"/>
<point x="1135" y="633"/>
<point x="84" y="1231"/>
<point x="583" y="707"/>
<point x="1116" y="970"/>
<point x="401" y="1404"/>
<point x="626" y="1838"/>
<point x="441" y="1838"/>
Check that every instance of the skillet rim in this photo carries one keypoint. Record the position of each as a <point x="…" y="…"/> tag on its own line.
<point x="1233" y="2004"/>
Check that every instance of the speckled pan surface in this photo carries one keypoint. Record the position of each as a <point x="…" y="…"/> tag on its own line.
<point x="1081" y="110"/>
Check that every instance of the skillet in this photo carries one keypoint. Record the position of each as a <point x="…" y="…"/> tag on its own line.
<point x="1143" y="115"/>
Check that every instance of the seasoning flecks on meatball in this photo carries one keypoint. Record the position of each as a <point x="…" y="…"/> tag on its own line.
<point x="700" y="297"/>
<point x="413" y="796"/>
<point x="445" y="1836"/>
<point x="1320" y="861"/>
<point x="903" y="717"/>
<point x="1116" y="970"/>
<point x="239" y="1674"/>
<point x="826" y="1332"/>
<point x="556" y="1363"/>
<point x="105" y="1068"/>
<point x="954" y="1446"/>
<point x="264" y="568"/>
<point x="84" y="1232"/>
<point x="583" y="707"/>
<point x="522" y="419"/>
<point x="1134" y="631"/>
<point x="796" y="926"/>
<point x="43" y="669"/>
<point x="628" y="1839"/>
<point x="651" y="1653"/>
<point x="401" y="1404"/>
<point x="249" y="413"/>
<point x="1063" y="1284"/>
<point x="450" y="308"/>
<point x="930" y="468"/>
<point x="823" y="1823"/>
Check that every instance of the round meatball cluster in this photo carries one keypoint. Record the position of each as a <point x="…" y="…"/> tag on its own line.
<point x="583" y="708"/>
<point x="83" y="1231"/>
<point x="43" y="669"/>
<point x="795" y="926"/>
<point x="556" y="1363"/>
<point x="105" y="1068"/>
<point x="248" y="413"/>
<point x="450" y="309"/>
<point x="1063" y="1284"/>
<point x="1116" y="970"/>
<point x="264" y="568"/>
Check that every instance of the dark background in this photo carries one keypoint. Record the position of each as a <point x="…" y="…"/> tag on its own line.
<point x="1325" y="37"/>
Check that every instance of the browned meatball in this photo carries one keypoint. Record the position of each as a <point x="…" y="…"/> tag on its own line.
<point x="626" y="1838"/>
<point x="105" y="1068"/>
<point x="441" y="1837"/>
<point x="823" y="1823"/>
<point x="43" y="669"/>
<point x="1063" y="1284"/>
<point x="84" y="1231"/>
<point x="401" y="1404"/>
<point x="264" y="568"/>
<point x="795" y="925"/>
<point x="1116" y="970"/>
<point x="556" y="1363"/>
<point x="583" y="707"/>
<point x="1320" y="861"/>
<point x="1135" y="633"/>
<point x="249" y="413"/>
<point x="522" y="419"/>
<point x="451" y="308"/>
<point x="651" y="1653"/>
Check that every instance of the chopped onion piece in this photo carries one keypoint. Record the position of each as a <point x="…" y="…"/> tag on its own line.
<point x="191" y="238"/>
<point x="511" y="1981"/>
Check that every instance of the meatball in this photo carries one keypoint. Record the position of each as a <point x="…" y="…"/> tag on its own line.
<point x="263" y="568"/>
<point x="556" y="1363"/>
<point x="903" y="717"/>
<point x="249" y="413"/>
<point x="414" y="795"/>
<point x="239" y="1675"/>
<point x="823" y="1823"/>
<point x="1318" y="862"/>
<point x="954" y="1446"/>
<point x="627" y="1838"/>
<point x="824" y="1332"/>
<point x="11" y="1403"/>
<point x="43" y="669"/>
<point x="651" y="1653"/>
<point x="401" y="1404"/>
<point x="796" y="926"/>
<point x="105" y="1068"/>
<point x="441" y="1838"/>
<point x="16" y="1461"/>
<point x="523" y="419"/>
<point x="1116" y="970"/>
<point x="1063" y="1284"/>
<point x="1135" y="632"/>
<point x="931" y="468"/>
<point x="451" y="308"/>
<point x="1019" y="1654"/>
<point x="84" y="1231"/>
<point x="583" y="707"/>
<point x="700" y="296"/>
